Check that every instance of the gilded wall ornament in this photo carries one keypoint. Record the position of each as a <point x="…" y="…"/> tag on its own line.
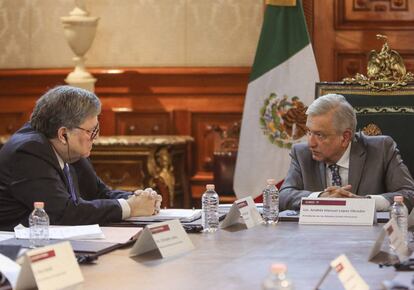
<point x="385" y="70"/>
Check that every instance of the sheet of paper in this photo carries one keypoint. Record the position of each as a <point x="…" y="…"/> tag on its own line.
<point x="10" y="269"/>
<point x="170" y="214"/>
<point x="6" y="235"/>
<point x="64" y="232"/>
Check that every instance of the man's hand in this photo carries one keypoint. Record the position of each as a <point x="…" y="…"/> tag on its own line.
<point x="144" y="202"/>
<point x="336" y="191"/>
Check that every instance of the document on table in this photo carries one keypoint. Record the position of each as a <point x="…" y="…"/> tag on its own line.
<point x="65" y="232"/>
<point x="9" y="269"/>
<point x="184" y="215"/>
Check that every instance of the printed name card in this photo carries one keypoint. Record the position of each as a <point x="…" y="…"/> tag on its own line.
<point x="337" y="211"/>
<point x="169" y="238"/>
<point x="246" y="208"/>
<point x="397" y="243"/>
<point x="347" y="274"/>
<point x="50" y="267"/>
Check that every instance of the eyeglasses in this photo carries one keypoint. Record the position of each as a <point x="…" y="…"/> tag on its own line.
<point x="93" y="133"/>
<point x="318" y="135"/>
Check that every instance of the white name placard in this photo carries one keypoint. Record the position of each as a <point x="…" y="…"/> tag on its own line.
<point x="169" y="238"/>
<point x="347" y="274"/>
<point x="337" y="211"/>
<point x="50" y="267"/>
<point x="246" y="208"/>
<point x="397" y="243"/>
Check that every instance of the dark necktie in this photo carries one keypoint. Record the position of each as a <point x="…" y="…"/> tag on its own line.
<point x="336" y="178"/>
<point x="68" y="176"/>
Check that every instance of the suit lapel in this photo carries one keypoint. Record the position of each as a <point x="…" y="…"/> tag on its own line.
<point x="322" y="174"/>
<point x="356" y="163"/>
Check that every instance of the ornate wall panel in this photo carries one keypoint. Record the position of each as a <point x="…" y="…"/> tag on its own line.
<point x="344" y="32"/>
<point x="374" y="14"/>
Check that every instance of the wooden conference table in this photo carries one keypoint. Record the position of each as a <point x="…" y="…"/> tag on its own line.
<point x="240" y="259"/>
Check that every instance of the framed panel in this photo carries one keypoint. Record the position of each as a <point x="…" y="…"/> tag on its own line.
<point x="143" y="123"/>
<point x="374" y="14"/>
<point x="387" y="113"/>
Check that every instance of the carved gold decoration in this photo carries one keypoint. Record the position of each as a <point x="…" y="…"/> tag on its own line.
<point x="385" y="70"/>
<point x="160" y="166"/>
<point x="372" y="130"/>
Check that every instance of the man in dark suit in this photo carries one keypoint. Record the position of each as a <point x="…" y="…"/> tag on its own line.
<point x="336" y="162"/>
<point x="46" y="160"/>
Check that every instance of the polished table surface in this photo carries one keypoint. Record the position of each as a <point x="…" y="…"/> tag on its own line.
<point x="240" y="259"/>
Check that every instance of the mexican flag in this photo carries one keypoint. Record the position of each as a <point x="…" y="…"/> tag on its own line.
<point x="281" y="86"/>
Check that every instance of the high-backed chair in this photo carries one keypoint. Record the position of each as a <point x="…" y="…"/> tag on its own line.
<point x="383" y="100"/>
<point x="224" y="161"/>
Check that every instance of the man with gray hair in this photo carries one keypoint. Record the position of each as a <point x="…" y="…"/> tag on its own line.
<point x="46" y="160"/>
<point x="336" y="162"/>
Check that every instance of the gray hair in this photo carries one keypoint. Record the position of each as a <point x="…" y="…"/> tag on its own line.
<point x="63" y="106"/>
<point x="344" y="116"/>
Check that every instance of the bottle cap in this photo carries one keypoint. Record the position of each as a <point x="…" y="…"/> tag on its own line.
<point x="271" y="181"/>
<point x="210" y="186"/>
<point x="278" y="268"/>
<point x="39" y="204"/>
<point x="398" y="198"/>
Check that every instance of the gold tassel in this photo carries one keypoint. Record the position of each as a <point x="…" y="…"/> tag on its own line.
<point x="281" y="2"/>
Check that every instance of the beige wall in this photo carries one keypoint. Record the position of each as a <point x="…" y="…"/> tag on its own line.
<point x="133" y="33"/>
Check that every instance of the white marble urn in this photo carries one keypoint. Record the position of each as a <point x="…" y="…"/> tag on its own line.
<point x="80" y="30"/>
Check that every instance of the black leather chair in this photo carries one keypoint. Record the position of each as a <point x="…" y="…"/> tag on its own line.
<point x="224" y="160"/>
<point x="224" y="164"/>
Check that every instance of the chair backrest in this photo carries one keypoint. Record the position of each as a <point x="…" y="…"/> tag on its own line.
<point x="223" y="171"/>
<point x="224" y="160"/>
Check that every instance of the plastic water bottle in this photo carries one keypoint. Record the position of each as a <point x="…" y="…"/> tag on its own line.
<point x="209" y="213"/>
<point x="271" y="203"/>
<point x="39" y="226"/>
<point x="277" y="279"/>
<point x="400" y="214"/>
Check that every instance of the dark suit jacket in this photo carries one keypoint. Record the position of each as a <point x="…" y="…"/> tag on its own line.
<point x="30" y="171"/>
<point x="375" y="167"/>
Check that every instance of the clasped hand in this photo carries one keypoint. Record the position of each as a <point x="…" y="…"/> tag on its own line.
<point x="336" y="191"/>
<point x="144" y="202"/>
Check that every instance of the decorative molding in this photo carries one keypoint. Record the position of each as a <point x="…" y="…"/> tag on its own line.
<point x="127" y="81"/>
<point x="308" y="7"/>
<point x="380" y="5"/>
<point x="373" y="15"/>
<point x="385" y="109"/>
